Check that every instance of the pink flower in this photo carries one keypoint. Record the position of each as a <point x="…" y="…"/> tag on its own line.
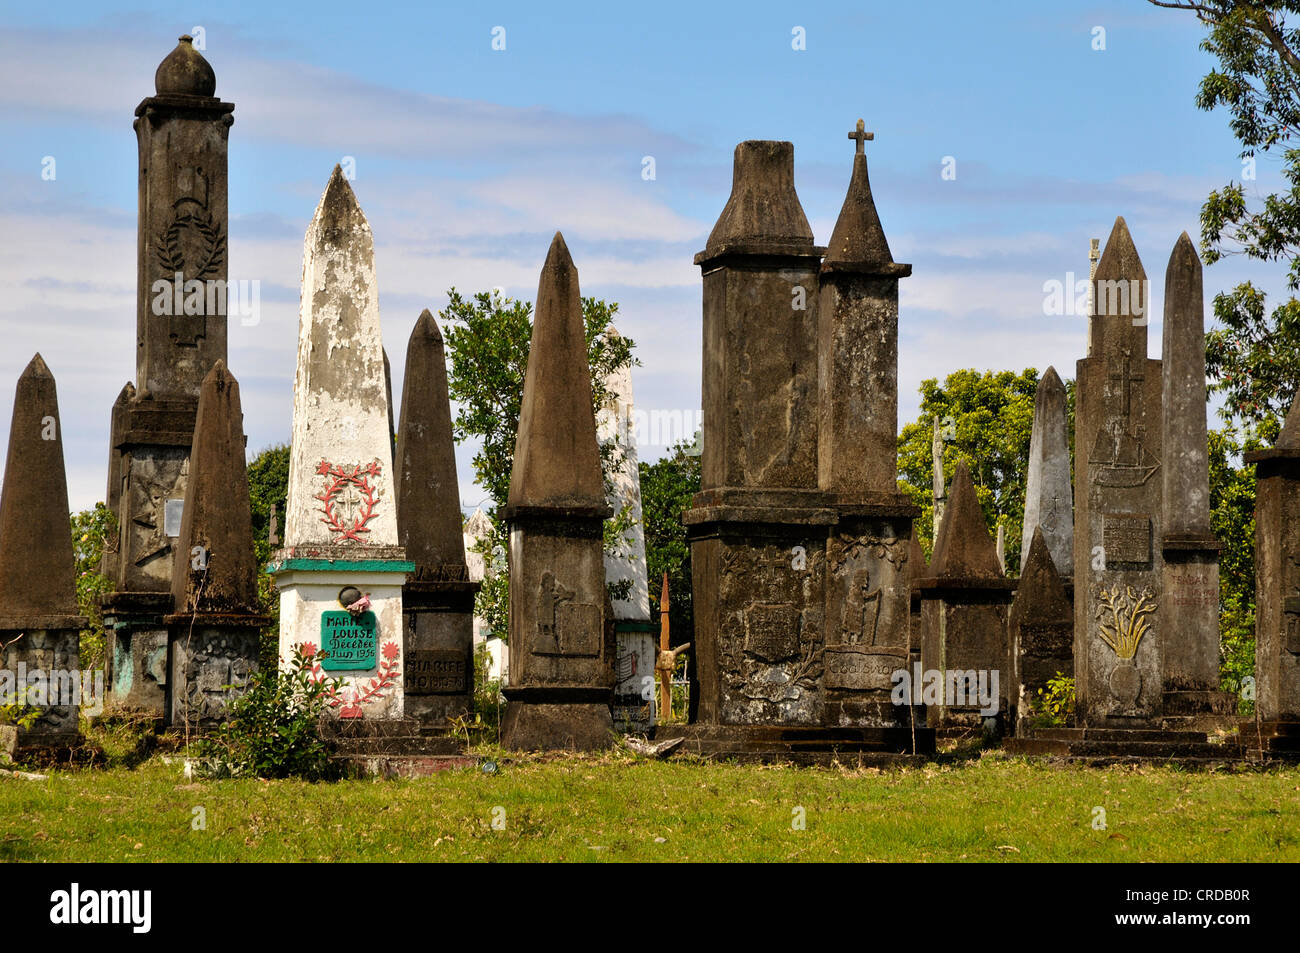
<point x="359" y="607"/>
<point x="308" y="649"/>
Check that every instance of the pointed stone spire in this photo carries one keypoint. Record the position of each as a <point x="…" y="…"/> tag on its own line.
<point x="1186" y="465"/>
<point x="858" y="241"/>
<point x="428" y="493"/>
<point x="1289" y="438"/>
<point x="1119" y="297"/>
<point x="964" y="547"/>
<point x="222" y="577"/>
<point x="341" y="411"/>
<point x="1040" y="596"/>
<point x="562" y="638"/>
<point x="557" y="461"/>
<point x="37" y="566"/>
<point x="763" y="208"/>
<point x="1049" y="499"/>
<point x="1041" y="625"/>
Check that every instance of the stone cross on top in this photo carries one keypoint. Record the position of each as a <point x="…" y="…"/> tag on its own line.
<point x="861" y="136"/>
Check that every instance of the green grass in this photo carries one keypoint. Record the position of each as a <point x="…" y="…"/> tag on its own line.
<point x="612" y="808"/>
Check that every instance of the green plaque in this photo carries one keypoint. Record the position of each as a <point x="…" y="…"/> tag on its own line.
<point x="350" y="642"/>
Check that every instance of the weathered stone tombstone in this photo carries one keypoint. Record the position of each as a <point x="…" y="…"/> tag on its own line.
<point x="1118" y="564"/>
<point x="561" y="680"/>
<point x="625" y="568"/>
<point x="181" y="333"/>
<point x="1049" y="497"/>
<point x="438" y="597"/>
<point x="217" y="622"/>
<point x="965" y="599"/>
<point x="1190" y="552"/>
<point x="1277" y="593"/>
<point x="758" y="527"/>
<point x="1041" y="627"/>
<point x="341" y="570"/>
<point x="799" y="536"/>
<point x="40" y="623"/>
<point x="868" y="592"/>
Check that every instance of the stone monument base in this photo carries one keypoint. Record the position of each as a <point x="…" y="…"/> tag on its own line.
<point x="804" y="746"/>
<point x="555" y="726"/>
<point x="1101" y="746"/>
<point x="1270" y="740"/>
<point x="367" y="652"/>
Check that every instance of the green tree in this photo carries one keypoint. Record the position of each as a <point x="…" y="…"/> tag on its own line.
<point x="667" y="486"/>
<point x="1253" y="357"/>
<point x="93" y="531"/>
<point x="992" y="416"/>
<point x="488" y="338"/>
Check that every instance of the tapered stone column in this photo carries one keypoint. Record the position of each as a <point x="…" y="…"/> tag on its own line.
<point x="341" y="571"/>
<point x="438" y="598"/>
<point x="561" y="623"/>
<point x="40" y="624"/>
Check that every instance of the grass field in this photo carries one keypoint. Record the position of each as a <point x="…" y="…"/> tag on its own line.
<point x="617" y="808"/>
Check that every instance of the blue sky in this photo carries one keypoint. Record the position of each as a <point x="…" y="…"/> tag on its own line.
<point x="468" y="159"/>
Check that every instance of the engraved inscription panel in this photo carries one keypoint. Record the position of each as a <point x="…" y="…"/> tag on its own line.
<point x="771" y="631"/>
<point x="1126" y="538"/>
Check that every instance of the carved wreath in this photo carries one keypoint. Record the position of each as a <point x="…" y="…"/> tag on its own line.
<point x="169" y="250"/>
<point x="339" y="478"/>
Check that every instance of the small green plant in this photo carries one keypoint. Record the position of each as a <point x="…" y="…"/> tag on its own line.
<point x="273" y="730"/>
<point x="1054" y="705"/>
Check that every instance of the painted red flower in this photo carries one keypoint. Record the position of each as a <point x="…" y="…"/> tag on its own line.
<point x="308" y="649"/>
<point x="391" y="650"/>
<point x="323" y="468"/>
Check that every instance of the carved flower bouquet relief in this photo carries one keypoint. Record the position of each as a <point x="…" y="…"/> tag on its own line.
<point x="1122" y="621"/>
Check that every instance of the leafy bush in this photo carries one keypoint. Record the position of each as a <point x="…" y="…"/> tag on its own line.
<point x="273" y="730"/>
<point x="1054" y="705"/>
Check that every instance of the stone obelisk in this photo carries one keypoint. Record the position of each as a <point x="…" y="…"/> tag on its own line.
<point x="1191" y="553"/>
<point x="1041" y="624"/>
<point x="217" y="622"/>
<point x="561" y="636"/>
<point x="1119" y="628"/>
<point x="181" y="274"/>
<point x="1049" y="498"/>
<point x="625" y="567"/>
<point x="867" y="618"/>
<point x="40" y="624"/>
<point x="438" y="598"/>
<point x="341" y="570"/>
